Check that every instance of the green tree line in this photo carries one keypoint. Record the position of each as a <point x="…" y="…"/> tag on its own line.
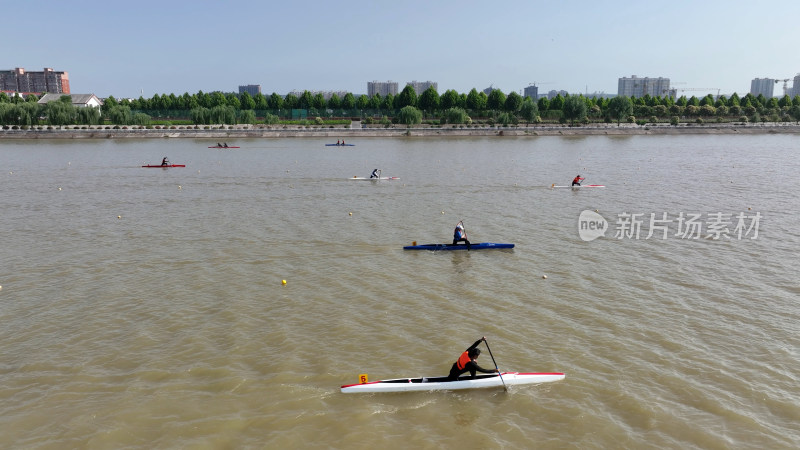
<point x="406" y="107"/>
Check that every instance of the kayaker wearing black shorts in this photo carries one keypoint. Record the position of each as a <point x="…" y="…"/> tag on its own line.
<point x="577" y="180"/>
<point x="466" y="362"/>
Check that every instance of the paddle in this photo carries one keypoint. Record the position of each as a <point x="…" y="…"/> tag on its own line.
<point x="495" y="364"/>
<point x="466" y="239"/>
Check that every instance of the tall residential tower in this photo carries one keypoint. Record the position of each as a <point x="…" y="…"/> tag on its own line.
<point x="762" y="86"/>
<point x="18" y="80"/>
<point x="639" y="87"/>
<point x="381" y="87"/>
<point x="422" y="86"/>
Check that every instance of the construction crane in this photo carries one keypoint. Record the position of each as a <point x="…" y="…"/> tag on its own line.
<point x="785" y="88"/>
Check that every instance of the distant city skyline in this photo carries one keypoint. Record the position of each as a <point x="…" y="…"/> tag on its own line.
<point x="24" y="81"/>
<point x="575" y="46"/>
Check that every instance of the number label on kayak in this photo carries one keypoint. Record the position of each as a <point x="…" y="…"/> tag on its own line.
<point x="363" y="379"/>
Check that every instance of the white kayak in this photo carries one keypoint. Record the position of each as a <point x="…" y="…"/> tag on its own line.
<point x="374" y="178"/>
<point x="579" y="187"/>
<point x="441" y="383"/>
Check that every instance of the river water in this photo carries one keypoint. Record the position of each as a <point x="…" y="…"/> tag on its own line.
<point x="144" y="308"/>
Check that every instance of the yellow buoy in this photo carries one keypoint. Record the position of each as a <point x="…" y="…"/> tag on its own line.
<point x="350" y="213"/>
<point x="119" y="217"/>
<point x="283" y="282"/>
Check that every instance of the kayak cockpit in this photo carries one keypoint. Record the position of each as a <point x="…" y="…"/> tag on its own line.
<point x="436" y="379"/>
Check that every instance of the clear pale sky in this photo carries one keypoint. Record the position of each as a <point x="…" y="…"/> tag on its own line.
<point x="146" y="47"/>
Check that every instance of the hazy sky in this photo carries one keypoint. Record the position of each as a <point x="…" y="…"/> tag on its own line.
<point x="146" y="47"/>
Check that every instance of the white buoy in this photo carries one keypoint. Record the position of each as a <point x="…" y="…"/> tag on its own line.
<point x="544" y="277"/>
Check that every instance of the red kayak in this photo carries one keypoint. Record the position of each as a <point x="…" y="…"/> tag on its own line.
<point x="168" y="165"/>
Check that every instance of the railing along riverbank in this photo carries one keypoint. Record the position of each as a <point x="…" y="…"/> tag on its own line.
<point x="357" y="130"/>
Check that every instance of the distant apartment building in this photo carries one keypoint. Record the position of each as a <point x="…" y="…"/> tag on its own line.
<point x="381" y="87"/>
<point x="795" y="90"/>
<point x="639" y="87"/>
<point x="252" y="89"/>
<point x="422" y="86"/>
<point x="602" y="94"/>
<point x="762" y="86"/>
<point x="325" y="94"/>
<point x="46" y="81"/>
<point x="554" y="93"/>
<point x="532" y="91"/>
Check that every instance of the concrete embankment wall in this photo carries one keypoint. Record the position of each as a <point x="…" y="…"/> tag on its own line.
<point x="249" y="131"/>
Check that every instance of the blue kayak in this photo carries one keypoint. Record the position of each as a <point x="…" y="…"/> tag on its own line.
<point x="479" y="246"/>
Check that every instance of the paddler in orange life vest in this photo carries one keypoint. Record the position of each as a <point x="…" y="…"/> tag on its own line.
<point x="577" y="181"/>
<point x="467" y="362"/>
